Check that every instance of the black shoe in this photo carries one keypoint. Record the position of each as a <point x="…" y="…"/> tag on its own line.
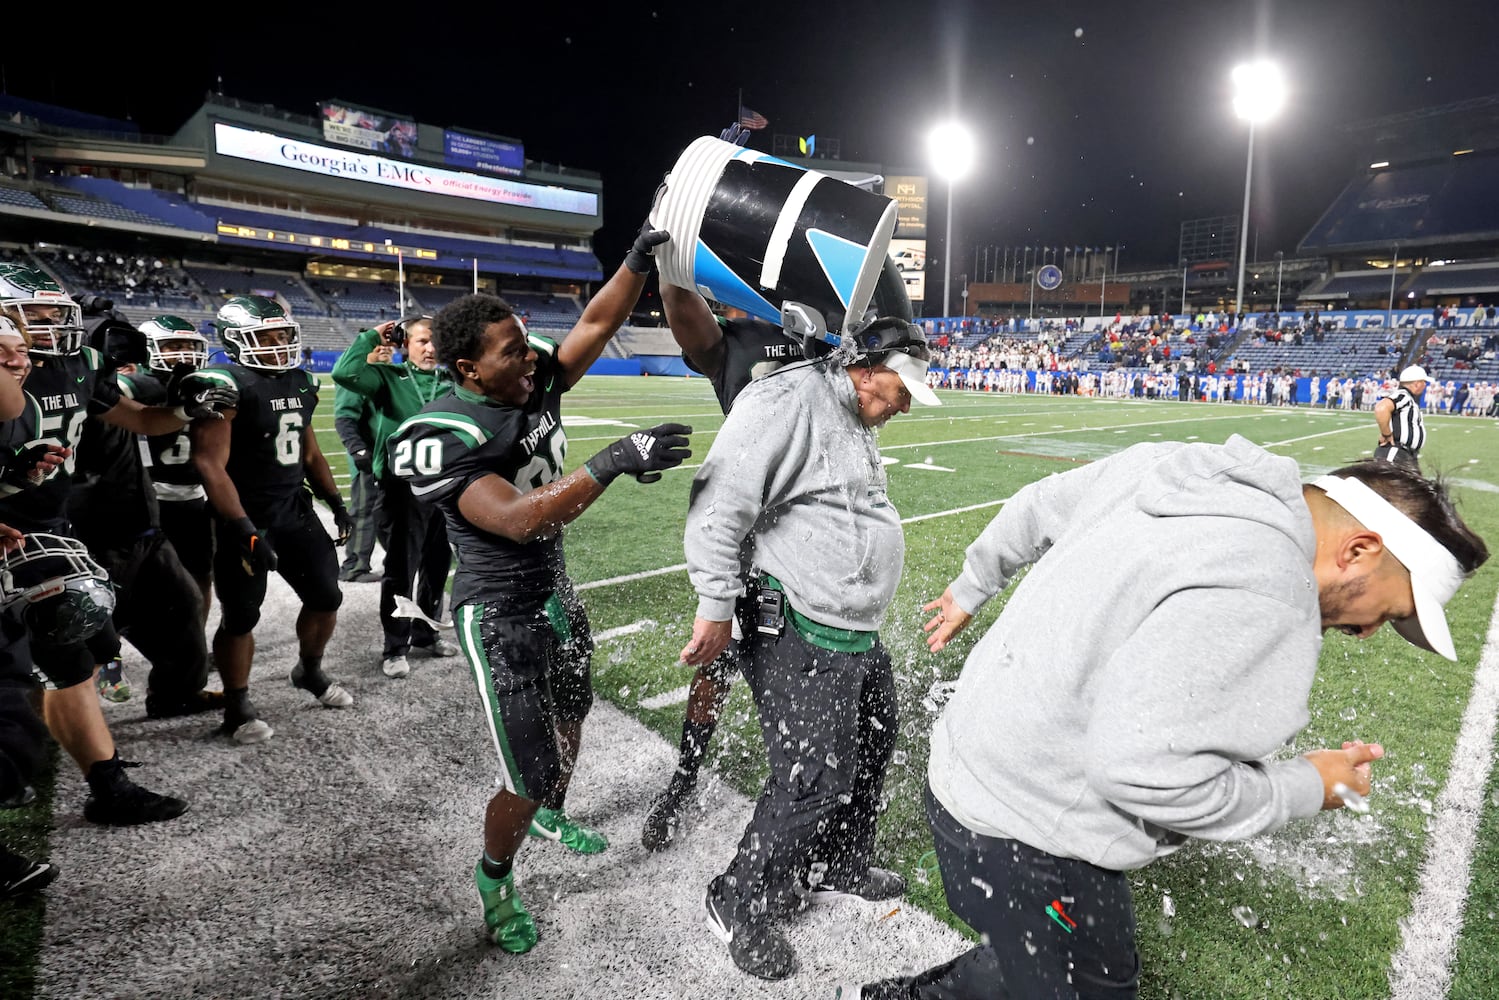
<point x="20" y="800"/>
<point x="665" y="814"/>
<point x="172" y="708"/>
<point x="754" y="945"/>
<point x="19" y="876"/>
<point x="360" y="576"/>
<point x="885" y="989"/>
<point x="877" y="884"/>
<point x="115" y="800"/>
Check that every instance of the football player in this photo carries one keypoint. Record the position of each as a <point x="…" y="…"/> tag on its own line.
<point x="67" y="384"/>
<point x="253" y="467"/>
<point x="170" y="343"/>
<point x="490" y="457"/>
<point x="116" y="511"/>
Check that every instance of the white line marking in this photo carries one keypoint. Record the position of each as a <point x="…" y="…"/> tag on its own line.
<point x="630" y="577"/>
<point x="928" y="467"/>
<point x="682" y="567"/>
<point x="622" y="630"/>
<point x="1308" y="437"/>
<point x="673" y="697"/>
<point x="1422" y="967"/>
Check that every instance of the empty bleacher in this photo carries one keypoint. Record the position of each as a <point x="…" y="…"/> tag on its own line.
<point x="1370" y="349"/>
<point x="21" y="199"/>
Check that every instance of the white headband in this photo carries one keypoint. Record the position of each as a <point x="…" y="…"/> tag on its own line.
<point x="1435" y="573"/>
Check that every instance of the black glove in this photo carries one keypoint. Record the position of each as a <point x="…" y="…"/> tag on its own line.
<point x="363" y="460"/>
<point x="640" y="259"/>
<point x="23" y="469"/>
<point x="196" y="399"/>
<point x="735" y="133"/>
<point x="255" y="552"/>
<point x="343" y="522"/>
<point x="642" y="454"/>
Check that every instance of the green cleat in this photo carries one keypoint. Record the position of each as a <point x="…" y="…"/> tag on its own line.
<point x="554" y="824"/>
<point x="112" y="683"/>
<point x="510" y="926"/>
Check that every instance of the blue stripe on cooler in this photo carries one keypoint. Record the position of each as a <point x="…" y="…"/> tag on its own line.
<point x="716" y="281"/>
<point x="842" y="261"/>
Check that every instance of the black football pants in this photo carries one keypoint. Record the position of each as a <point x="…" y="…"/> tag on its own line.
<point x="829" y="723"/>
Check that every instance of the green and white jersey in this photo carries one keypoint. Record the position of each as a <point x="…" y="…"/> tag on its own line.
<point x="453" y="441"/>
<point x="173" y="474"/>
<point x="265" y="437"/>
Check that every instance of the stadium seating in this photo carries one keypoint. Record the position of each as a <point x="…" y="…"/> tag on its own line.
<point x="21" y="199"/>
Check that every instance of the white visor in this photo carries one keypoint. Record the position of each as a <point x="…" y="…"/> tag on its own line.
<point x="1435" y="573"/>
<point x="912" y="372"/>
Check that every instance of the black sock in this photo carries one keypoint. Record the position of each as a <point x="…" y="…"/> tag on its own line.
<point x="495" y="869"/>
<point x="236" y="702"/>
<point x="312" y="679"/>
<point x="695" y="737"/>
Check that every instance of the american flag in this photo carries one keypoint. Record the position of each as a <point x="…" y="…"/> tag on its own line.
<point x="752" y="119"/>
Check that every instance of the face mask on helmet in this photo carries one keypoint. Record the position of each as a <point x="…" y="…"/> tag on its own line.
<point x="257" y="333"/>
<point x="171" y="342"/>
<point x="59" y="592"/>
<point x="54" y="320"/>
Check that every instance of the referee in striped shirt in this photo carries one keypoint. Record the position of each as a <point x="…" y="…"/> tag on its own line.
<point x="1401" y="432"/>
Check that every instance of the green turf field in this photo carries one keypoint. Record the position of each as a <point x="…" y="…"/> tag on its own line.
<point x="1314" y="911"/>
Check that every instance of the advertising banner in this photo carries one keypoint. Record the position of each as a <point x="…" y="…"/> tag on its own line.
<point x="493" y="156"/>
<point x="910" y="261"/>
<point x="909" y="193"/>
<point x="295" y="154"/>
<point x="350" y="126"/>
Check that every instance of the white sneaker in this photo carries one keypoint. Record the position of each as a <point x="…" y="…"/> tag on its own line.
<point x="336" y="697"/>
<point x="254" y="731"/>
<point x="395" y="666"/>
<point x="443" y="647"/>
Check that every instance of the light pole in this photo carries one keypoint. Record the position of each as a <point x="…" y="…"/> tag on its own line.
<point x="1389" y="316"/>
<point x="1280" y="258"/>
<point x="951" y="148"/>
<point x="1259" y="92"/>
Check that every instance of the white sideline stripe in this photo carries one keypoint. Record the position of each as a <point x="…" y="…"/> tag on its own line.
<point x="955" y="510"/>
<point x="630" y="577"/>
<point x="666" y="698"/>
<point x="1422" y="968"/>
<point x="682" y="567"/>
<point x="630" y="629"/>
<point x="1308" y="437"/>
<point x="1053" y="433"/>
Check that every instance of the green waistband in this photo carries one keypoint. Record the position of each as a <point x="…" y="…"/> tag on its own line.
<point x="838" y="640"/>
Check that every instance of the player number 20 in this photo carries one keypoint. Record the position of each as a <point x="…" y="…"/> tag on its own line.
<point x="425" y="454"/>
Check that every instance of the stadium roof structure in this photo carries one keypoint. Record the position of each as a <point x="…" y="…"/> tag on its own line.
<point x="1432" y="179"/>
<point x="1453" y="200"/>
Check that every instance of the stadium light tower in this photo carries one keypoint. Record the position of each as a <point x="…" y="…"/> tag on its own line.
<point x="1259" y="92"/>
<point x="952" y="151"/>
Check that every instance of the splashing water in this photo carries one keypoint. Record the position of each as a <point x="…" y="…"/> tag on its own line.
<point x="1348" y="714"/>
<point x="1245" y="916"/>
<point x="1351" y="799"/>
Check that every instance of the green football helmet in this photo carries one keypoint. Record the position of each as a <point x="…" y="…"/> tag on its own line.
<point x="61" y="594"/>
<point x="53" y="319"/>
<point x="173" y="341"/>
<point x="258" y="333"/>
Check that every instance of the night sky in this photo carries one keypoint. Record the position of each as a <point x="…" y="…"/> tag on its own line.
<point x="1099" y="123"/>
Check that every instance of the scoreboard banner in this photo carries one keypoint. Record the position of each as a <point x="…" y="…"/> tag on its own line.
<point x="295" y="154"/>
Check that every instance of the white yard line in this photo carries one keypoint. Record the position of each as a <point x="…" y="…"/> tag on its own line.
<point x="622" y="630"/>
<point x="666" y="698"/>
<point x="1308" y="437"/>
<point x="1422" y="968"/>
<point x="631" y="577"/>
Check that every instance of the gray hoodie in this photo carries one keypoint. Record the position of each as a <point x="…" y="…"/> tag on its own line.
<point x="1161" y="647"/>
<point x="794" y="472"/>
